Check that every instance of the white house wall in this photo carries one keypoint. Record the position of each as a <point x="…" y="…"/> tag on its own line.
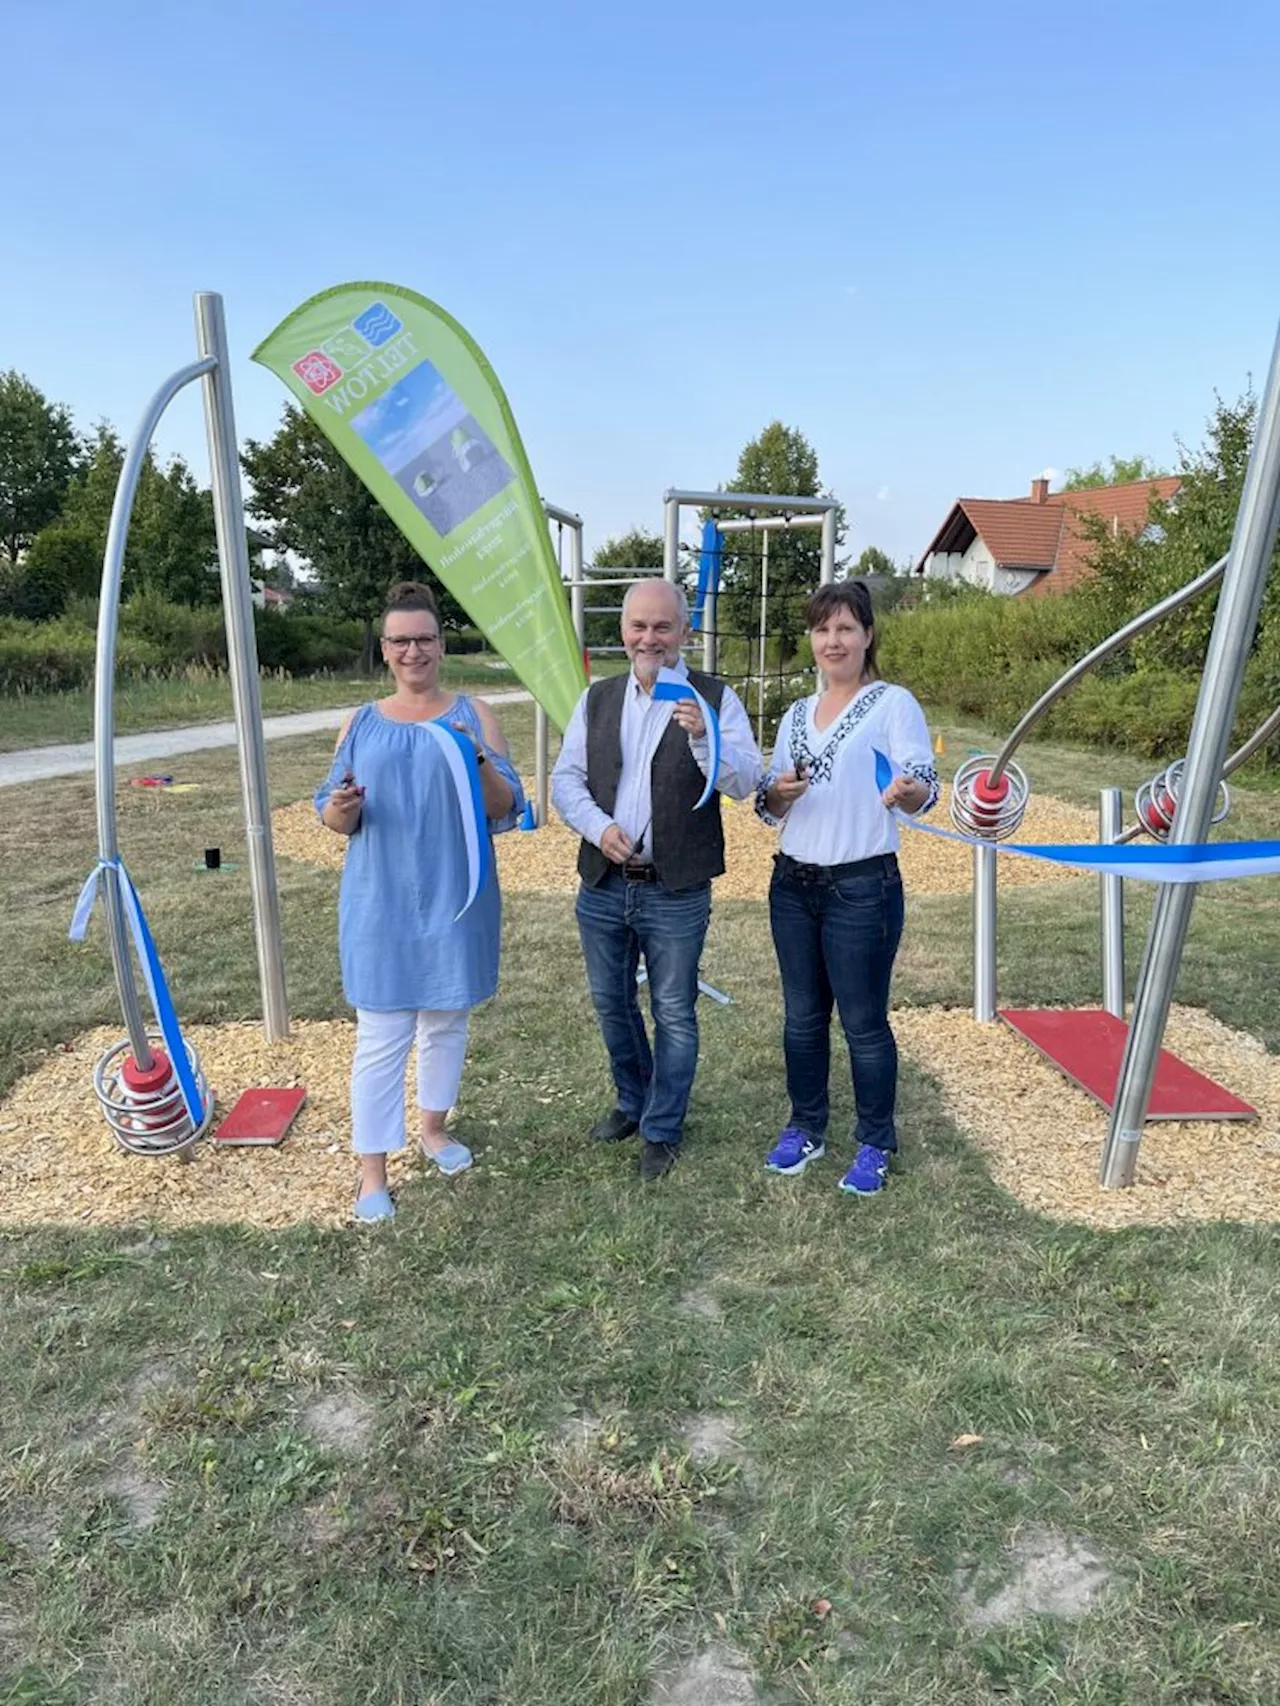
<point x="976" y="567"/>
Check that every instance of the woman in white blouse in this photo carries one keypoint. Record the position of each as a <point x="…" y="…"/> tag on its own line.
<point x="835" y="902"/>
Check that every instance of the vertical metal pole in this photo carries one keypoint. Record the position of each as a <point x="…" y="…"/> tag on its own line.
<point x="1110" y="827"/>
<point x="1257" y="523"/>
<point x="540" y="772"/>
<point x="764" y="630"/>
<point x="984" y="934"/>
<point x="577" y="584"/>
<point x="671" y="539"/>
<point x="242" y="659"/>
<point x="828" y="571"/>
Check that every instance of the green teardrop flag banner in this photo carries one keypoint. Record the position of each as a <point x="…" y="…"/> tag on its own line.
<point x="408" y="400"/>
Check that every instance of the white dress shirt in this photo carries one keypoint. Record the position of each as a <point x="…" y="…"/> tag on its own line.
<point x="644" y="722"/>
<point x="841" y="817"/>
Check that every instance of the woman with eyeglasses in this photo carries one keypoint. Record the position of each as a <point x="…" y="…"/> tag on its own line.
<point x="414" y="963"/>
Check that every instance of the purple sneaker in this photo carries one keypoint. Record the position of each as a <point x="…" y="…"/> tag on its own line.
<point x="869" y="1173"/>
<point x="793" y="1151"/>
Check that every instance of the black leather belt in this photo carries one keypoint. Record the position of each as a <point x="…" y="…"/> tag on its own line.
<point x="640" y="873"/>
<point x="879" y="865"/>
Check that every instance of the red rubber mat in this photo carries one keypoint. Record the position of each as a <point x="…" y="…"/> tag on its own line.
<point x="261" y="1117"/>
<point x="1088" y="1046"/>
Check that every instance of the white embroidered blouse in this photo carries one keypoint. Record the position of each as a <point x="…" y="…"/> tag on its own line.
<point x="841" y="817"/>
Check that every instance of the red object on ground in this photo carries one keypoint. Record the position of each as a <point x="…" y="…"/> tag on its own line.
<point x="261" y="1116"/>
<point x="1088" y="1046"/>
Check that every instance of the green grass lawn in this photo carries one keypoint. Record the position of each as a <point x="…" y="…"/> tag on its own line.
<point x="199" y="696"/>
<point x="551" y="1433"/>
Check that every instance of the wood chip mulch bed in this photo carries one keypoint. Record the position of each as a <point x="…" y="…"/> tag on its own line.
<point x="1042" y="1137"/>
<point x="545" y="861"/>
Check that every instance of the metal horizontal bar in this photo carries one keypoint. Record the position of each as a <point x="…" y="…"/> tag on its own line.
<point x="752" y="500"/>
<point x="615" y="580"/>
<point x="553" y="512"/>
<point x="612" y="569"/>
<point x="757" y="524"/>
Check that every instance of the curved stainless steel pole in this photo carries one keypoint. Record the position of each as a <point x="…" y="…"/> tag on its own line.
<point x="1113" y="643"/>
<point x="104" y="690"/>
<point x="1260" y="736"/>
<point x="1234" y="623"/>
<point x="242" y="659"/>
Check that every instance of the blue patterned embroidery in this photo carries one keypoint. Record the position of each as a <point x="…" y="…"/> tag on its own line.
<point x="819" y="766"/>
<point x="926" y="773"/>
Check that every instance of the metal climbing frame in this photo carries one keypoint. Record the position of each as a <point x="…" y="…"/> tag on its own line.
<point x="212" y="370"/>
<point x="710" y="640"/>
<point x="781" y="511"/>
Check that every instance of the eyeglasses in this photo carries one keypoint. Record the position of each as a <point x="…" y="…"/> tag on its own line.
<point x="400" y="643"/>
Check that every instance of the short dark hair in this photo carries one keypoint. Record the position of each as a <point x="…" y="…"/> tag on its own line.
<point x="412" y="595"/>
<point x="844" y="595"/>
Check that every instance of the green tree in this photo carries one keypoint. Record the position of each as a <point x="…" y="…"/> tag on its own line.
<point x="64" y="561"/>
<point x="316" y="507"/>
<point x="637" y="549"/>
<point x="173" y="546"/>
<point x="39" y="451"/>
<point x="171" y="549"/>
<point x="874" y="561"/>
<point x="780" y="460"/>
<point x="1123" y="470"/>
<point x="1182" y="537"/>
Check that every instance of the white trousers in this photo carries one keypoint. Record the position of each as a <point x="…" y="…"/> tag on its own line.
<point x="383" y="1041"/>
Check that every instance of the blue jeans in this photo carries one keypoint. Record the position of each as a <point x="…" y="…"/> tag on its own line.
<point x="836" y="936"/>
<point x="619" y="921"/>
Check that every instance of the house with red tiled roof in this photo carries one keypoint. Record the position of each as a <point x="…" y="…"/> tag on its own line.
<point x="1034" y="546"/>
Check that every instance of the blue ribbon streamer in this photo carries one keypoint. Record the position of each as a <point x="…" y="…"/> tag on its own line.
<point x="1195" y="862"/>
<point x="671" y="686"/>
<point x="709" y="561"/>
<point x="152" y="973"/>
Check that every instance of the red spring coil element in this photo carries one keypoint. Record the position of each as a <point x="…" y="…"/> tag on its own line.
<point x="144" y="1090"/>
<point x="988" y="799"/>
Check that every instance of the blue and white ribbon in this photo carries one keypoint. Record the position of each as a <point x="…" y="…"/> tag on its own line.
<point x="669" y="685"/>
<point x="152" y="973"/>
<point x="464" y="771"/>
<point x="1198" y="862"/>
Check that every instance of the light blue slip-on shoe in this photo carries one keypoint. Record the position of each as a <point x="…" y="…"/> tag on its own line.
<point x="374" y="1206"/>
<point x="453" y="1158"/>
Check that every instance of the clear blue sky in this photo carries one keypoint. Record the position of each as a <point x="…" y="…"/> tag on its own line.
<point x="955" y="245"/>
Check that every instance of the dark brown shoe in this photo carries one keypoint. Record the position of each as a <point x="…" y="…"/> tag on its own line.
<point x="655" y="1160"/>
<point x="613" y="1128"/>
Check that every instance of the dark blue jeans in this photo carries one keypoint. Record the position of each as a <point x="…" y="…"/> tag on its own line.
<point x="836" y="936"/>
<point x="619" y="921"/>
